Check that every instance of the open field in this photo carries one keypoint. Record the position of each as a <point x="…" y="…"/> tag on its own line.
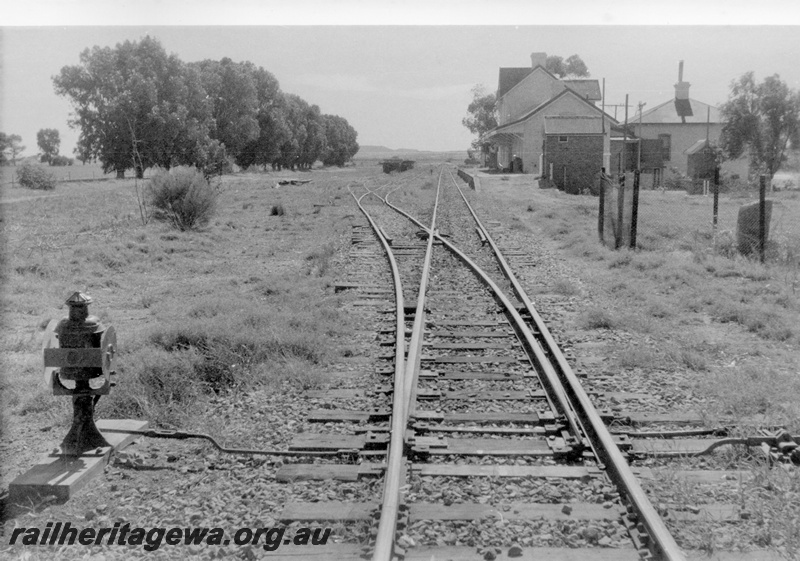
<point x="246" y="298"/>
<point x="243" y="310"/>
<point x="75" y="172"/>
<point x="731" y="320"/>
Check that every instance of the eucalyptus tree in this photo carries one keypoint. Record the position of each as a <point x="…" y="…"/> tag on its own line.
<point x="341" y="144"/>
<point x="136" y="106"/>
<point x="49" y="142"/>
<point x="762" y="119"/>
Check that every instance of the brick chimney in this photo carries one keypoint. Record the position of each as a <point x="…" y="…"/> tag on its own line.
<point x="681" y="88"/>
<point x="538" y="59"/>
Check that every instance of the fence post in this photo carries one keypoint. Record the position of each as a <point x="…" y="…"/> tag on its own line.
<point x="601" y="216"/>
<point x="716" y="197"/>
<point x="634" y="208"/>
<point x="762" y="219"/>
<point x="620" y="210"/>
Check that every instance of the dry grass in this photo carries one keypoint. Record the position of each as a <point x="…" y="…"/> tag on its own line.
<point x="243" y="301"/>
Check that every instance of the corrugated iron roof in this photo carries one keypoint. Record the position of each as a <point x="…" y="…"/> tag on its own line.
<point x="564" y="125"/>
<point x="696" y="147"/>
<point x="590" y="89"/>
<point x="510" y="77"/>
<point x="517" y="126"/>
<point x="668" y="113"/>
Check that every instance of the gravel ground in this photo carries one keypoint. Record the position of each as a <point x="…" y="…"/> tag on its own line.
<point x="158" y="483"/>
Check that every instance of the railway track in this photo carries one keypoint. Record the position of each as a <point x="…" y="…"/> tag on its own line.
<point x="486" y="443"/>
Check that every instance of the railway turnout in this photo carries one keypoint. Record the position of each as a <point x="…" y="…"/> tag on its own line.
<point x="492" y="448"/>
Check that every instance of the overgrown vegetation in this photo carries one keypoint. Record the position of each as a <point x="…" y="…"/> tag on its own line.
<point x="222" y="346"/>
<point x="35" y="176"/>
<point x="183" y="197"/>
<point x="199" y="313"/>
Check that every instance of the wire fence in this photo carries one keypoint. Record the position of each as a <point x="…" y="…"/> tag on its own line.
<point x="700" y="217"/>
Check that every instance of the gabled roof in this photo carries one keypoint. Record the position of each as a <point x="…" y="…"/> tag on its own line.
<point x="590" y="89"/>
<point x="510" y="77"/>
<point x="667" y="112"/>
<point x="573" y="125"/>
<point x="566" y="91"/>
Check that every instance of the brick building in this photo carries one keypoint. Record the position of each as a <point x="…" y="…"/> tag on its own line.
<point x="525" y="98"/>
<point x="573" y="151"/>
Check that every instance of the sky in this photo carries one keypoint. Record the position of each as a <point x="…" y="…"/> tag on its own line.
<point x="401" y="73"/>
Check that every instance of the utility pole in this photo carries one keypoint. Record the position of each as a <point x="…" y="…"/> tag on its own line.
<point x="625" y="139"/>
<point x="615" y="105"/>
<point x="606" y="135"/>
<point x="639" y="134"/>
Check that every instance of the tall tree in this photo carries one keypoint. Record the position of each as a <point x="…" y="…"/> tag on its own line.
<point x="49" y="142"/>
<point x="315" y="141"/>
<point x="13" y="146"/>
<point x="573" y="66"/>
<point x="340" y="145"/>
<point x="272" y="129"/>
<point x="294" y="115"/>
<point x="136" y="106"/>
<point x="482" y="116"/>
<point x="3" y="148"/>
<point x="762" y="118"/>
<point x="231" y="89"/>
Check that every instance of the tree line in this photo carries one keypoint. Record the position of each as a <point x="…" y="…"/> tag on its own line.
<point x="48" y="141"/>
<point x="138" y="107"/>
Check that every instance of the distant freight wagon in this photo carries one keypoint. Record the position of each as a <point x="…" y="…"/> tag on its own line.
<point x="396" y="164"/>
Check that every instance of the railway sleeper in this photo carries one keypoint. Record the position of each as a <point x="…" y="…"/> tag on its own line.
<point x="321" y="442"/>
<point x="347" y="511"/>
<point x="465" y="395"/>
<point x="422" y="447"/>
<point x="545" y="429"/>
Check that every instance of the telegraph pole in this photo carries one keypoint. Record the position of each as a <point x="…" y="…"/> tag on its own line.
<point x="639" y="134"/>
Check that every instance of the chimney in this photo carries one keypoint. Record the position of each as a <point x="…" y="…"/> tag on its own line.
<point x="681" y="88"/>
<point x="538" y="59"/>
<point x="682" y="104"/>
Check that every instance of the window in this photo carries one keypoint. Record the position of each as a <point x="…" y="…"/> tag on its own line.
<point x="666" y="146"/>
<point x="562" y="138"/>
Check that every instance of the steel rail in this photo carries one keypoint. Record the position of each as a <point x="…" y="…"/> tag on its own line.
<point x="385" y="539"/>
<point x="415" y="344"/>
<point x="616" y="465"/>
<point x="391" y="487"/>
<point x="540" y="358"/>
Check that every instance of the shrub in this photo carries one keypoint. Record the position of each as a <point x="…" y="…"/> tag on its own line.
<point x="318" y="261"/>
<point x="597" y="318"/>
<point x="213" y="160"/>
<point x="34" y="176"/>
<point x="677" y="182"/>
<point x="183" y="197"/>
<point x="277" y="210"/>
<point x="61" y="161"/>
